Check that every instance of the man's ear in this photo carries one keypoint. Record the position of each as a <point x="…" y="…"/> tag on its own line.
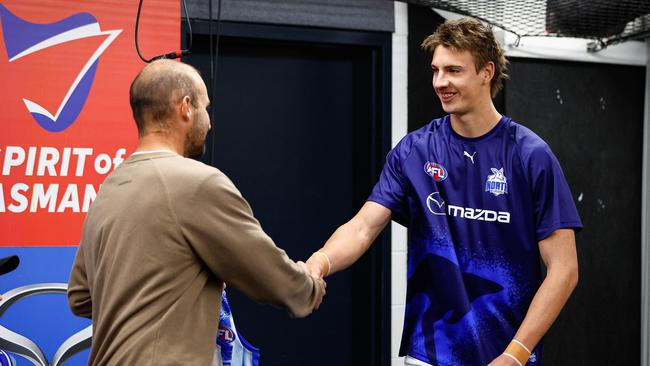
<point x="488" y="72"/>
<point x="185" y="109"/>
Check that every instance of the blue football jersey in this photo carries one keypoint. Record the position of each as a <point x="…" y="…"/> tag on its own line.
<point x="476" y="209"/>
<point x="232" y="348"/>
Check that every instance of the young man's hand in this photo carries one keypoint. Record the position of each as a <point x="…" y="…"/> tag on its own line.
<point x="503" y="360"/>
<point x="314" y="267"/>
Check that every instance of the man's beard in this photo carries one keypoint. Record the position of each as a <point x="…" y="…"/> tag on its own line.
<point x="195" y="143"/>
<point x="196" y="153"/>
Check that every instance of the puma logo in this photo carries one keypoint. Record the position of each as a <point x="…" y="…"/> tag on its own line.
<point x="471" y="157"/>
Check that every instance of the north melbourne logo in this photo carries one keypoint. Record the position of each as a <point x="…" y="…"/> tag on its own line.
<point x="497" y="183"/>
<point x="23" y="38"/>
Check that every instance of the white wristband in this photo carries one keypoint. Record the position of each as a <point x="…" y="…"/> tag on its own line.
<point x="513" y="357"/>
<point x="327" y="270"/>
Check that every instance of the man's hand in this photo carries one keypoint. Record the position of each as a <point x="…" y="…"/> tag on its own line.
<point x="314" y="267"/>
<point x="321" y="282"/>
<point x="503" y="360"/>
<point x="317" y="277"/>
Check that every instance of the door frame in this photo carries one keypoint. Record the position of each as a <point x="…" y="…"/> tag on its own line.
<point x="380" y="46"/>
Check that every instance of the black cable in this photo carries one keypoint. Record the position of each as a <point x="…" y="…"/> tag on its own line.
<point x="211" y="53"/>
<point x="189" y="27"/>
<point x="170" y="55"/>
<point x="216" y="52"/>
<point x="214" y="62"/>
<point x="137" y="25"/>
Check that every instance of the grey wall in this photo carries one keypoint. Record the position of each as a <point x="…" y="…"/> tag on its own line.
<point x="367" y="15"/>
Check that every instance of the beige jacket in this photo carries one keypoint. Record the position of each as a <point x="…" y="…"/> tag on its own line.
<point x="162" y="236"/>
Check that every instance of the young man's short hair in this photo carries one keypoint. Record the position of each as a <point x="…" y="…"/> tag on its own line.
<point x="469" y="34"/>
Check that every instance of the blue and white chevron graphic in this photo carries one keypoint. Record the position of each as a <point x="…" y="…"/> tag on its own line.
<point x="5" y="359"/>
<point x="27" y="348"/>
<point x="23" y="38"/>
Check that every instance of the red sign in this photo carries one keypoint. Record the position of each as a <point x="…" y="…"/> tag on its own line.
<point x="65" y="72"/>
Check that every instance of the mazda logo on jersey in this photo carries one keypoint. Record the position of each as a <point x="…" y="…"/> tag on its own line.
<point x="436" y="204"/>
<point x="23" y="38"/>
<point x="478" y="214"/>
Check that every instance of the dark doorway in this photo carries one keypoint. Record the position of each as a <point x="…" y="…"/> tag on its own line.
<point x="591" y="115"/>
<point x="301" y="127"/>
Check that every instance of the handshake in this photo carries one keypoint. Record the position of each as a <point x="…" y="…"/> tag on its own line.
<point x="318" y="266"/>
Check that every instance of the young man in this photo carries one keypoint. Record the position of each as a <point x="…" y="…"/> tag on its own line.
<point x="164" y="234"/>
<point x="484" y="199"/>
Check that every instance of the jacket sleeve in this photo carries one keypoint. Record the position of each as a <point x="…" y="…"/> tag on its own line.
<point x="78" y="292"/>
<point x="220" y="226"/>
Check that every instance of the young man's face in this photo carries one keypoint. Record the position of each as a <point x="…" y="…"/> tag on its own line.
<point x="456" y="82"/>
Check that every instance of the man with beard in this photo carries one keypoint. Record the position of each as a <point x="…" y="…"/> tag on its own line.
<point x="166" y="232"/>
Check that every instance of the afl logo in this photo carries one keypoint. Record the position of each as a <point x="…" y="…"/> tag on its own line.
<point x="436" y="171"/>
<point x="226" y="334"/>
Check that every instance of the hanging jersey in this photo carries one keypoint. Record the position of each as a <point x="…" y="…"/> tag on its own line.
<point x="232" y="348"/>
<point x="476" y="209"/>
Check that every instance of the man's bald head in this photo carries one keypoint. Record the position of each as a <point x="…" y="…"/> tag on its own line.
<point x="157" y="88"/>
